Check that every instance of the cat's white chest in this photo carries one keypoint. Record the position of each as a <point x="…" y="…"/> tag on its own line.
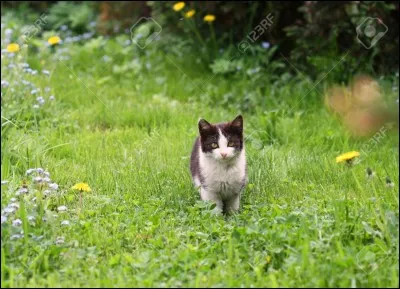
<point x="221" y="179"/>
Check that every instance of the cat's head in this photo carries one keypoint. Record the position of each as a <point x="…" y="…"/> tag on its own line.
<point x="223" y="141"/>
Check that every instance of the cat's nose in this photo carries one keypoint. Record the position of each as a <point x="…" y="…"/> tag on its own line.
<point x="223" y="155"/>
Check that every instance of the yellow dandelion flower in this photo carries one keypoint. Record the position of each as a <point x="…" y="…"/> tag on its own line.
<point x="347" y="156"/>
<point x="13" y="47"/>
<point x="54" y="40"/>
<point x="209" y="18"/>
<point x="83" y="187"/>
<point x="178" y="6"/>
<point x="190" y="13"/>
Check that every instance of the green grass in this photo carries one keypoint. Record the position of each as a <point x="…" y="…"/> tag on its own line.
<point x="304" y="220"/>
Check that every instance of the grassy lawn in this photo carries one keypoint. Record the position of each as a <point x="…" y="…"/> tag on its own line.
<point x="126" y="127"/>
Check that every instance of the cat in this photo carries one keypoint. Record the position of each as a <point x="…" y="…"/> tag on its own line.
<point x="218" y="163"/>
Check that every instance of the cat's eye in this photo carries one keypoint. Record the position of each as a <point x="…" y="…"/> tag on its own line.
<point x="214" y="145"/>
<point x="230" y="144"/>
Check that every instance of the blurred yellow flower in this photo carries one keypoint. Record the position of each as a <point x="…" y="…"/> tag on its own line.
<point x="190" y="13"/>
<point x="54" y="40"/>
<point x="178" y="6"/>
<point x="83" y="187"/>
<point x="268" y="259"/>
<point x="13" y="47"/>
<point x="347" y="156"/>
<point x="209" y="18"/>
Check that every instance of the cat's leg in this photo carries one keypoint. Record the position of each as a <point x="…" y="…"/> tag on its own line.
<point x="232" y="204"/>
<point x="206" y="195"/>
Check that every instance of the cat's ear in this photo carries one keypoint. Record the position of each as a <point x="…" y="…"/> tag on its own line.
<point x="204" y="125"/>
<point x="238" y="123"/>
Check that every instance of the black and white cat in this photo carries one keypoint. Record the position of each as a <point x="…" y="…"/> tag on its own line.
<point x="218" y="163"/>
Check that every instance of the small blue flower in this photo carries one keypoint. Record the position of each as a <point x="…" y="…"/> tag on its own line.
<point x="40" y="99"/>
<point x="106" y="58"/>
<point x="87" y="35"/>
<point x="34" y="91"/>
<point x="17" y="222"/>
<point x="53" y="186"/>
<point x="265" y="44"/>
<point x="63" y="27"/>
<point x="8" y="31"/>
<point x="38" y="179"/>
<point x="5" y="83"/>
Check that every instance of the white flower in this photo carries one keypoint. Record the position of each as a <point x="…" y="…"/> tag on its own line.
<point x="46" y="179"/>
<point x="65" y="223"/>
<point x="34" y="91"/>
<point x="13" y="200"/>
<point x="45" y="72"/>
<point x="40" y="170"/>
<point x="3" y="219"/>
<point x="17" y="222"/>
<point x="4" y="182"/>
<point x="46" y="173"/>
<point x="35" y="106"/>
<point x="31" y="218"/>
<point x="46" y="192"/>
<point x="53" y="186"/>
<point x="52" y="97"/>
<point x="47" y="89"/>
<point x="62" y="208"/>
<point x="29" y="171"/>
<point x="60" y="240"/>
